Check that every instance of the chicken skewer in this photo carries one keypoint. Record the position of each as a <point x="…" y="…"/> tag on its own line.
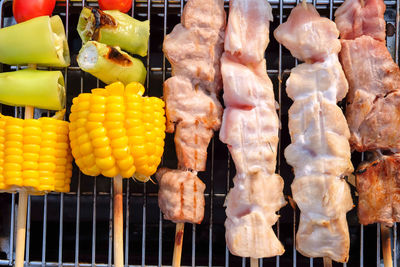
<point x="193" y="48"/>
<point x="320" y="151"/>
<point x="250" y="129"/>
<point x="372" y="108"/>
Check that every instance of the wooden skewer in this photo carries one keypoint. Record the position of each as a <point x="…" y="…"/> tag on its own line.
<point x="327" y="262"/>
<point x="362" y="3"/>
<point x="253" y="262"/>
<point x="22" y="209"/>
<point x="118" y="222"/>
<point x="386" y="246"/>
<point x="176" y="260"/>
<point x="21" y="228"/>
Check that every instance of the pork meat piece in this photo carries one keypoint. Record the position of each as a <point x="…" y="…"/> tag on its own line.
<point x="194" y="114"/>
<point x="324" y="201"/>
<point x="308" y="36"/>
<point x="195" y="53"/>
<point x="251" y="213"/>
<point x="373" y="103"/>
<point x="378" y="186"/>
<point x="194" y="47"/>
<point x="208" y="14"/>
<point x="180" y="195"/>
<point x="354" y="20"/>
<point x="247" y="20"/>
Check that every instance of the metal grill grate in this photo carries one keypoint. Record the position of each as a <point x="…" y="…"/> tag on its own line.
<point x="75" y="229"/>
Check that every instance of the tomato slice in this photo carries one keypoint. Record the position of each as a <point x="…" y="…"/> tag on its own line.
<point x="28" y="9"/>
<point x="121" y="5"/>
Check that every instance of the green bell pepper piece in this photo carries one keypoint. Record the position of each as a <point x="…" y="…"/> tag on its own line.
<point x="110" y="64"/>
<point x="37" y="88"/>
<point x="37" y="41"/>
<point x="114" y="28"/>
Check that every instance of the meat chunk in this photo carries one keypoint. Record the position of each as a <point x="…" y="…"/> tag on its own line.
<point x="324" y="201"/>
<point x="307" y="35"/>
<point x="194" y="47"/>
<point x="355" y="19"/>
<point x="194" y="114"/>
<point x="378" y="186"/>
<point x="195" y="54"/>
<point x="208" y="14"/>
<point x="247" y="20"/>
<point x="180" y="195"/>
<point x="251" y="213"/>
<point x="373" y="103"/>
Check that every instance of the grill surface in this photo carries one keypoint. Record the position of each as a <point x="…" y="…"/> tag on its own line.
<point x="75" y="229"/>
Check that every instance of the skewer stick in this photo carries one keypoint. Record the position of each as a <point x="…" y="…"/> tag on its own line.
<point x="327" y="262"/>
<point x="386" y="246"/>
<point x="253" y="262"/>
<point x="362" y="3"/>
<point x="176" y="260"/>
<point x="22" y="209"/>
<point x="118" y="223"/>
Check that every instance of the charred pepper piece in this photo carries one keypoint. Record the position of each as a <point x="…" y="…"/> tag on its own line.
<point x="114" y="28"/>
<point x="41" y="89"/>
<point x="37" y="41"/>
<point x="110" y="64"/>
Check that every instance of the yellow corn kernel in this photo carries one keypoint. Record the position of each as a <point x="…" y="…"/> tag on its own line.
<point x="102" y="152"/>
<point x="105" y="163"/>
<point x="111" y="172"/>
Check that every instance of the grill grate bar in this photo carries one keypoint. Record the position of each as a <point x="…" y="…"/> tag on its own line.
<point x="78" y="207"/>
<point x="94" y="216"/>
<point x="28" y="229"/>
<point x="110" y="224"/>
<point x="210" y="248"/>
<point x="44" y="235"/>
<point x="61" y="230"/>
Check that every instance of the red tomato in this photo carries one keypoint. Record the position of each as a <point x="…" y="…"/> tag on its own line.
<point x="27" y="9"/>
<point x="121" y="5"/>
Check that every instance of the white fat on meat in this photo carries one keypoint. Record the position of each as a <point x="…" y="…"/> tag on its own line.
<point x="320" y="151"/>
<point x="250" y="128"/>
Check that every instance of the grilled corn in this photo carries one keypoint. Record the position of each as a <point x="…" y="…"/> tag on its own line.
<point x="34" y="154"/>
<point x="117" y="131"/>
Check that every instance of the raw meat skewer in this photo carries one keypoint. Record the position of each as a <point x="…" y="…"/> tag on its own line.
<point x="320" y="151"/>
<point x="250" y="129"/>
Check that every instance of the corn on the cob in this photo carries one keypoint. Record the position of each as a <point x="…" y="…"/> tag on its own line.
<point x="34" y="154"/>
<point x="117" y="131"/>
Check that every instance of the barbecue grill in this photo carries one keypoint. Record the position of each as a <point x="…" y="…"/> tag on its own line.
<point x="75" y="229"/>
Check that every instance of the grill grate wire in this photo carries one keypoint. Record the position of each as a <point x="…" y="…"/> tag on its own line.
<point x="100" y="189"/>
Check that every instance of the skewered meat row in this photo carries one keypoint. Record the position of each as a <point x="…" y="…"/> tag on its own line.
<point x="373" y="106"/>
<point x="250" y="129"/>
<point x="320" y="151"/>
<point x="194" y="49"/>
